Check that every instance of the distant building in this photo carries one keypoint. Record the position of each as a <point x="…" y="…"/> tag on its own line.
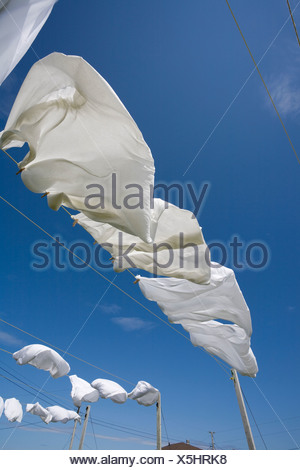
<point x="180" y="446"/>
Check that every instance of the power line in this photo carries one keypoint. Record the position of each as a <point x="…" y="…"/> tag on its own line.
<point x="264" y="83"/>
<point x="280" y="420"/>
<point x="115" y="285"/>
<point x="108" y="424"/>
<point x="164" y="422"/>
<point x="294" y="24"/>
<point x="26" y="383"/>
<point x="254" y="419"/>
<point x="33" y="388"/>
<point x="61" y="350"/>
<point x="93" y="431"/>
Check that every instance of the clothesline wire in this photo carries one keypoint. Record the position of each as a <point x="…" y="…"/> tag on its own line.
<point x="104" y="423"/>
<point x="6" y="153"/>
<point x="4" y="350"/>
<point x="112" y="283"/>
<point x="108" y="424"/>
<point x="91" y="267"/>
<point x="71" y="215"/>
<point x="61" y="350"/>
<point x="96" y="421"/>
<point x="264" y="83"/>
<point x="18" y="385"/>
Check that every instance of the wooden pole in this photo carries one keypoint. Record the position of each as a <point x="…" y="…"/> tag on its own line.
<point x="74" y="429"/>
<point x="84" y="427"/>
<point x="158" y="423"/>
<point x="243" y="411"/>
<point x="212" y="439"/>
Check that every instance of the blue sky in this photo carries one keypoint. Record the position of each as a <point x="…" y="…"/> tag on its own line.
<point x="177" y="67"/>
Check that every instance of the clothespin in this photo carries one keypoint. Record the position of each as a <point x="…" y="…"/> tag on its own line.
<point x="75" y="222"/>
<point x="45" y="194"/>
<point x="20" y="171"/>
<point x="136" y="281"/>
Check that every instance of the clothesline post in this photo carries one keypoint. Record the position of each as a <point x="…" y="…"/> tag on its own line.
<point x="243" y="411"/>
<point x="158" y="423"/>
<point x="74" y="429"/>
<point x="84" y="427"/>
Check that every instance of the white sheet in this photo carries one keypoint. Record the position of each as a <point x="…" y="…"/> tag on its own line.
<point x="82" y="391"/>
<point x="42" y="357"/>
<point x="20" y="23"/>
<point x="80" y="134"/>
<point x="178" y="247"/>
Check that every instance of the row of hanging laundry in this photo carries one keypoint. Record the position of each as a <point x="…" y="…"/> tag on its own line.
<point x="13" y="411"/>
<point x="87" y="153"/>
<point x="45" y="358"/>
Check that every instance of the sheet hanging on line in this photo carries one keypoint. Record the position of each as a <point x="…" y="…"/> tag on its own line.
<point x="20" y="23"/>
<point x="182" y="300"/>
<point x="229" y="342"/>
<point x="38" y="410"/>
<point x="1" y="406"/>
<point x="144" y="393"/>
<point x="110" y="389"/>
<point x="42" y="357"/>
<point x="178" y="247"/>
<point x="86" y="151"/>
<point x="13" y="410"/>
<point x="61" y="415"/>
<point x="82" y="391"/>
<point x="196" y="306"/>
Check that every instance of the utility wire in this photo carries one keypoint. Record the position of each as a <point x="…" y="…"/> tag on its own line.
<point x="294" y="24"/>
<point x="164" y="422"/>
<point x="96" y="421"/>
<point x="280" y="420"/>
<point x="93" y="431"/>
<point x="4" y="350"/>
<point x="115" y="285"/>
<point x="34" y="388"/>
<point x="100" y="422"/>
<point x="264" y="83"/>
<point x="28" y="391"/>
<point x="61" y="350"/>
<point x="254" y="419"/>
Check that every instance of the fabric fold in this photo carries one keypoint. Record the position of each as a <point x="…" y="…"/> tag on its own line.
<point x="13" y="410"/>
<point x="178" y="247"/>
<point x="82" y="391"/>
<point x="38" y="410"/>
<point x="86" y="151"/>
<point x="42" y="357"/>
<point x="197" y="307"/>
<point x="180" y="299"/>
<point x="144" y="393"/>
<point x="61" y="415"/>
<point x="110" y="389"/>
<point x="20" y="23"/>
